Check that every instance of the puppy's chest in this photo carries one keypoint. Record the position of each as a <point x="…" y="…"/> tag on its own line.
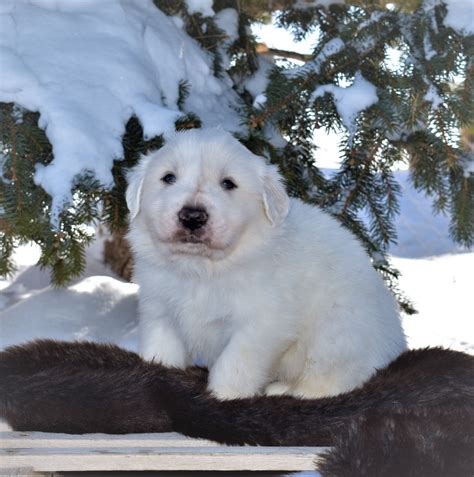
<point x="206" y="319"/>
<point x="204" y="303"/>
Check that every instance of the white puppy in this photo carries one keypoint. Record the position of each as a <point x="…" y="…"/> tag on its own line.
<point x="273" y="294"/>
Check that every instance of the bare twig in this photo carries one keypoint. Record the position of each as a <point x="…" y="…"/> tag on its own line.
<point x="263" y="49"/>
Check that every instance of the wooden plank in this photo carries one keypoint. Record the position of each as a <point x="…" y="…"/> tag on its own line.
<point x="219" y="458"/>
<point x="4" y="426"/>
<point x="46" y="439"/>
<point x="21" y="472"/>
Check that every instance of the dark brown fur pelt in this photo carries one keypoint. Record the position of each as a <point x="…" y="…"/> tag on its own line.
<point x="82" y="387"/>
<point x="412" y="444"/>
<point x="414" y="417"/>
<point x="422" y="380"/>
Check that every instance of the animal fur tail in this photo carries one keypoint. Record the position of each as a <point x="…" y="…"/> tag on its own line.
<point x="415" y="417"/>
<point x="412" y="444"/>
<point x="79" y="388"/>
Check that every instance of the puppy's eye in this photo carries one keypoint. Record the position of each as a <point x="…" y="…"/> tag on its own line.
<point x="169" y="178"/>
<point x="228" y="184"/>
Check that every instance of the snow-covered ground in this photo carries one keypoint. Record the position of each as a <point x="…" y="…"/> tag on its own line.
<point x="100" y="307"/>
<point x="441" y="288"/>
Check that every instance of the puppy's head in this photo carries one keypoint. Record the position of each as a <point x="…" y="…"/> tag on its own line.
<point x="204" y="193"/>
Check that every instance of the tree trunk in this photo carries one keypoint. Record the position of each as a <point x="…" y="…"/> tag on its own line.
<point x="118" y="256"/>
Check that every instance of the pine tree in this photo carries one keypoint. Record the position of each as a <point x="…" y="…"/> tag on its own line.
<point x="422" y="101"/>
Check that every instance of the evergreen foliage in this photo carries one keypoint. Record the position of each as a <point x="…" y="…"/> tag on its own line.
<point x="424" y="100"/>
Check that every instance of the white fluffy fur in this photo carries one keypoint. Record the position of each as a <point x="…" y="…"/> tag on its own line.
<point x="275" y="295"/>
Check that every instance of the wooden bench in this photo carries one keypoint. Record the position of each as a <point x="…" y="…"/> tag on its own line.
<point x="27" y="453"/>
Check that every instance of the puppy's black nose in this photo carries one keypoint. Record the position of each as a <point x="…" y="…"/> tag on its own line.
<point x="193" y="218"/>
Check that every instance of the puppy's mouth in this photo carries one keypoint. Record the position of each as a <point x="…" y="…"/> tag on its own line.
<point x="191" y="237"/>
<point x="194" y="242"/>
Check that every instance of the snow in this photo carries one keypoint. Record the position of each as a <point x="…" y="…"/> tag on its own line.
<point x="433" y="96"/>
<point x="468" y="163"/>
<point x="420" y="233"/>
<point x="204" y="7"/>
<point x="97" y="308"/>
<point x="317" y="3"/>
<point x="257" y="83"/>
<point x="441" y="288"/>
<point x="260" y="101"/>
<point x="332" y="47"/>
<point x="281" y="39"/>
<point x="88" y="66"/>
<point x="375" y="17"/>
<point x="350" y="101"/>
<point x="428" y="47"/>
<point x="228" y="21"/>
<point x="460" y="16"/>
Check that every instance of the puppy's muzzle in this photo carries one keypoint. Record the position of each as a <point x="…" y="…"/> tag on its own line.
<point x="193" y="218"/>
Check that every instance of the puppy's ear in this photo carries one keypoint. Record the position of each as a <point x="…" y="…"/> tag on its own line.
<point x="135" y="178"/>
<point x="275" y="198"/>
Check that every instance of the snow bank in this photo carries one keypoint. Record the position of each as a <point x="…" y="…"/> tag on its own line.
<point x="421" y="234"/>
<point x="97" y="309"/>
<point x="88" y="66"/>
<point x="441" y="288"/>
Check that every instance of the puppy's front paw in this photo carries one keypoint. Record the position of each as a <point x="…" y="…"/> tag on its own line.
<point x="277" y="389"/>
<point x="223" y="387"/>
<point x="173" y="360"/>
<point x="229" y="392"/>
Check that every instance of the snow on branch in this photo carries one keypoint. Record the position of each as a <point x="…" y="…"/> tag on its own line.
<point x="332" y="47"/>
<point x="301" y="4"/>
<point x="460" y="16"/>
<point x="350" y="101"/>
<point x="88" y="66"/>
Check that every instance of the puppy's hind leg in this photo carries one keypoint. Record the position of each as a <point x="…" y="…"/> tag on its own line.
<point x="319" y="381"/>
<point x="290" y="367"/>
<point x="244" y="368"/>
